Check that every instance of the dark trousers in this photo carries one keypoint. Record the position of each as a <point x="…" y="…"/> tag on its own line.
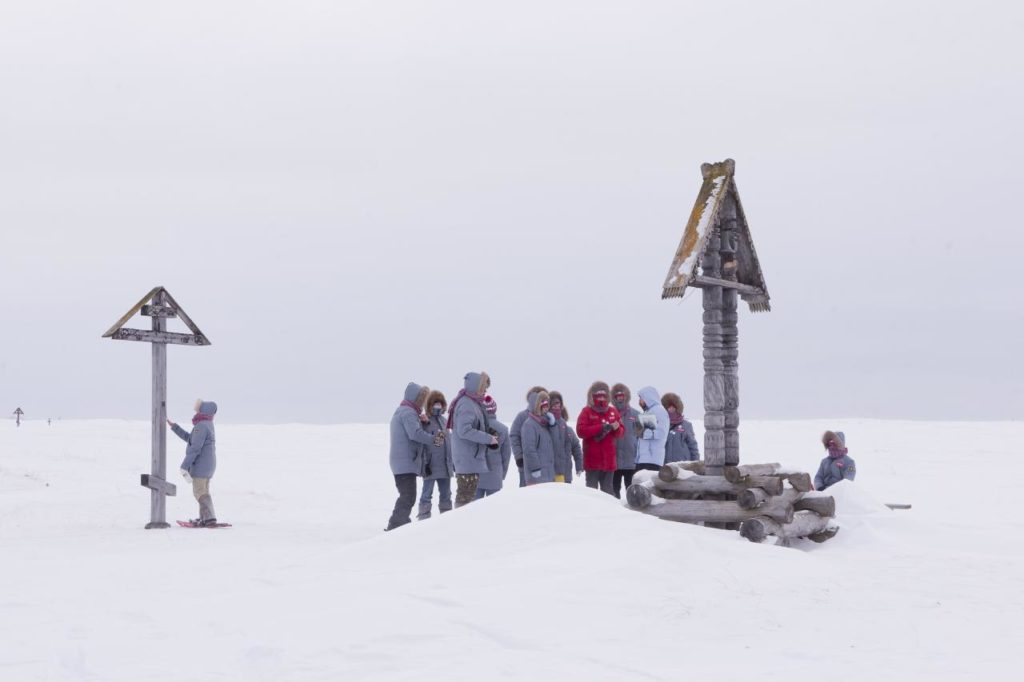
<point x="648" y="467"/>
<point x="522" y="476"/>
<point x="406" y="484"/>
<point x="601" y="480"/>
<point x="622" y="476"/>
<point x="465" y="488"/>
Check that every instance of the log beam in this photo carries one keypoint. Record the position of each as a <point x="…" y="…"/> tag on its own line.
<point x="640" y="497"/>
<point x="803" y="524"/>
<point x="160" y="337"/>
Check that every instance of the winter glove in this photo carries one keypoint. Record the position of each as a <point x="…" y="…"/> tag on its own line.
<point x="186" y="476"/>
<point x="535" y="474"/>
<point x="519" y="463"/>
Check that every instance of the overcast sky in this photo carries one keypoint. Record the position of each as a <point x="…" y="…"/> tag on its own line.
<point x="346" y="196"/>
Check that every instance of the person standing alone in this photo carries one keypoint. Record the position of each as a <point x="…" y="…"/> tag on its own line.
<point x="200" y="461"/>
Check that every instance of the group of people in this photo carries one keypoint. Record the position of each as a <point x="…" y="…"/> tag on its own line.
<point x="435" y="441"/>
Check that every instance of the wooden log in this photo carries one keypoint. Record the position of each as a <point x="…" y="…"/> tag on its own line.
<point x="707" y="511"/>
<point x="671" y="471"/>
<point x="751" y="498"/>
<point x="734" y="474"/>
<point x="702" y="282"/>
<point x="824" y="505"/>
<point x="803" y="524"/>
<point x="773" y="485"/>
<point x="801" y="482"/>
<point x="892" y="505"/>
<point x="638" y="496"/>
<point x="699" y="485"/>
<point x="153" y="483"/>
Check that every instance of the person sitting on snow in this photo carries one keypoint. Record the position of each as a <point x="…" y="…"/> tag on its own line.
<point x="200" y="458"/>
<point x="838" y="465"/>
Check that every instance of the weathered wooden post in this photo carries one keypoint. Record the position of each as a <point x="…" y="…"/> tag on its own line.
<point x="158" y="305"/>
<point x="717" y="239"/>
<point x="17" y="416"/>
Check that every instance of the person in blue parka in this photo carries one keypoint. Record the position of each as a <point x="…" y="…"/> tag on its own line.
<point x="838" y="465"/>
<point x="200" y="461"/>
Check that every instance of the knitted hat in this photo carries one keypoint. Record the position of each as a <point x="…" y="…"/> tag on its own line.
<point x="490" y="406"/>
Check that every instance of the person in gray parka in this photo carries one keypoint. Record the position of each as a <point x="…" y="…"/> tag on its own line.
<point x="471" y="436"/>
<point x="408" y="436"/>
<point x="838" y="465"/>
<point x="538" y="442"/>
<point x="200" y="461"/>
<point x="625" y="447"/>
<point x="681" y="445"/>
<point x="498" y="459"/>
<point x="515" y="431"/>
<point x="438" y="467"/>
<point x="568" y="451"/>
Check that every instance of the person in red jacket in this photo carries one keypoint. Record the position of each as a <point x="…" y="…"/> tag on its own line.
<point x="599" y="426"/>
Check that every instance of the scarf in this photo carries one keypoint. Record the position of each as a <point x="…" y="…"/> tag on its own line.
<point x="200" y="417"/>
<point x="675" y="418"/>
<point x="411" y="405"/>
<point x="475" y="397"/>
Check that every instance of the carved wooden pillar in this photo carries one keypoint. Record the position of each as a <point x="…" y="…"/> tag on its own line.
<point x="714" y="376"/>
<point x="730" y="347"/>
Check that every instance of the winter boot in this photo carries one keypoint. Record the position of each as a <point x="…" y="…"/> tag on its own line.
<point x="424" y="512"/>
<point x="444" y="506"/>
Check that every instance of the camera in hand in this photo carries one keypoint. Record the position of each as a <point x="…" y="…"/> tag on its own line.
<point x="492" y="446"/>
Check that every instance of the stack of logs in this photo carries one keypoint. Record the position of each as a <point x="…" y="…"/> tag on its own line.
<point x="763" y="499"/>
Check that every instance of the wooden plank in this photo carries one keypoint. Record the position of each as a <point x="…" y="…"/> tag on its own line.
<point x="671" y="471"/>
<point x="158" y="501"/>
<point x="186" y="319"/>
<point x="704" y="282"/>
<point x="131" y="313"/>
<point x="822" y="505"/>
<point x="892" y="505"/>
<point x="159" y="337"/>
<point x="158" y="311"/>
<point x="154" y="483"/>
<point x="734" y="474"/>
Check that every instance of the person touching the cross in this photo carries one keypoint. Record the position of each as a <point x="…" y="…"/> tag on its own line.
<point x="200" y="458"/>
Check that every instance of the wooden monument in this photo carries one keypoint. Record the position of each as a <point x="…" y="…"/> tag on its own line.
<point x="717" y="242"/>
<point x="159" y="305"/>
<point x="17" y="416"/>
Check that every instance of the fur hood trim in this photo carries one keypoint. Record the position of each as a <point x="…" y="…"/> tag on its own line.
<point x="596" y="387"/>
<point x="837" y="436"/>
<point x="674" y="400"/>
<point x="435" y="397"/>
<point x="622" y="388"/>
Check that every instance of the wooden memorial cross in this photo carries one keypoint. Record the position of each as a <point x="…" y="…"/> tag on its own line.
<point x="17" y="416"/>
<point x="717" y="240"/>
<point x="159" y="305"/>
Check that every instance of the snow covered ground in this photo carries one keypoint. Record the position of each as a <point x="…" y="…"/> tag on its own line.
<point x="537" y="584"/>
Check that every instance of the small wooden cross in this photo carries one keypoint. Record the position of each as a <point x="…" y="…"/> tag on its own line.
<point x="158" y="305"/>
<point x="17" y="416"/>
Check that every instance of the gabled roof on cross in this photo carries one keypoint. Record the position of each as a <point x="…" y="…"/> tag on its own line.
<point x="167" y="308"/>
<point x="719" y="184"/>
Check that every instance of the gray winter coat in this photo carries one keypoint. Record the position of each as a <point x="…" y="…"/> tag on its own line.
<point x="469" y="437"/>
<point x="538" y="452"/>
<point x="650" y="448"/>
<point x="438" y="458"/>
<point x="831" y="471"/>
<point x="625" y="447"/>
<point x="201" y="453"/>
<point x="408" y="436"/>
<point x="497" y="460"/>
<point x="682" y="444"/>
<point x="567" y="450"/>
<point x="515" y="436"/>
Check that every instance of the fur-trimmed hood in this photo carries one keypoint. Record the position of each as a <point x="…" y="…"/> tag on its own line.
<point x="416" y="394"/>
<point x="597" y="387"/>
<point x="837" y="436"/>
<point x="536" y="399"/>
<point x="673" y="400"/>
<point x="535" y="389"/>
<point x="435" y="397"/>
<point x="477" y="383"/>
<point x="621" y="388"/>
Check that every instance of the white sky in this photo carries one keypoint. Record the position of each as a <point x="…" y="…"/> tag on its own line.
<point x="348" y="196"/>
